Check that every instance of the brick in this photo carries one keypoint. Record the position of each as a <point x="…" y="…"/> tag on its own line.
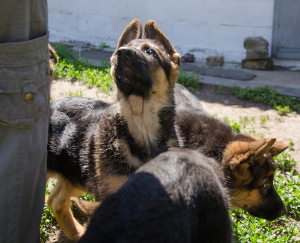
<point x="257" y="54"/>
<point x="264" y="64"/>
<point x="215" y="60"/>
<point x="251" y="43"/>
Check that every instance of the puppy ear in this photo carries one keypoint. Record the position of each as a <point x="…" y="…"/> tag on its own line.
<point x="132" y="31"/>
<point x="87" y="207"/>
<point x="152" y="31"/>
<point x="52" y="59"/>
<point x="239" y="156"/>
<point x="278" y="148"/>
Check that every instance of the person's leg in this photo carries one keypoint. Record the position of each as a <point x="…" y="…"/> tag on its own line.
<point x="24" y="112"/>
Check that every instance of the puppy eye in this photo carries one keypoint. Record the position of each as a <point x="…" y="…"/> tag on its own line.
<point x="151" y="52"/>
<point x="267" y="184"/>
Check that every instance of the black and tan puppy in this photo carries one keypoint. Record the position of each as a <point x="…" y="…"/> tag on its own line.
<point x="247" y="161"/>
<point x="95" y="146"/>
<point x="178" y="196"/>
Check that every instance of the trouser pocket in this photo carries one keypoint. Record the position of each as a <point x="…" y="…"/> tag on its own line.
<point x="24" y="82"/>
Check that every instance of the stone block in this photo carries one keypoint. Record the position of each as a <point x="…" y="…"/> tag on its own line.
<point x="251" y="43"/>
<point x="264" y="64"/>
<point x="215" y="60"/>
<point x="255" y="54"/>
<point x="188" y="58"/>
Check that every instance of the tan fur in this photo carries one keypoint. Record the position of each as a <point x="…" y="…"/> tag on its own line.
<point x="141" y="115"/>
<point x="238" y="158"/>
<point x="59" y="203"/>
<point x="115" y="182"/>
<point x="133" y="161"/>
<point x="245" y="199"/>
<point x="87" y="207"/>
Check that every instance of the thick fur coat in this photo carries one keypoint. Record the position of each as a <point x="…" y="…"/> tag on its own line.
<point x="179" y="196"/>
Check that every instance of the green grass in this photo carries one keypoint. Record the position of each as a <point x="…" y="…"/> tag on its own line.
<point x="285" y="229"/>
<point x="102" y="46"/>
<point x="48" y="222"/>
<point x="285" y="162"/>
<point x="189" y="80"/>
<point x="75" y="94"/>
<point x="266" y="95"/>
<point x="74" y="68"/>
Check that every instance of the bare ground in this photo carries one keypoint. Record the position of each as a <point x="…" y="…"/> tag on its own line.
<point x="283" y="128"/>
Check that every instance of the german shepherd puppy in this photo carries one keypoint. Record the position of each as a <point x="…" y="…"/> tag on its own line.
<point x="178" y="196"/>
<point x="247" y="161"/>
<point x="94" y="146"/>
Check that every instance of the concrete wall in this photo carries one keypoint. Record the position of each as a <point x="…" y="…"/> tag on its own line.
<point x="201" y="27"/>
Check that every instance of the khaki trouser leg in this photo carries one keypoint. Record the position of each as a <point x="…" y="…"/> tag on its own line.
<point x="24" y="111"/>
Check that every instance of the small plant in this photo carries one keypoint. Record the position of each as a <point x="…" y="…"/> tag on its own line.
<point x="253" y="132"/>
<point x="291" y="145"/>
<point x="75" y="94"/>
<point x="263" y="119"/>
<point x="280" y="119"/>
<point x="102" y="46"/>
<point x="188" y="80"/>
<point x="244" y="121"/>
<point x="283" y="111"/>
<point x="233" y="124"/>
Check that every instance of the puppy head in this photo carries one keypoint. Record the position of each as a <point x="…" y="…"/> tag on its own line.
<point x="144" y="67"/>
<point x="249" y="169"/>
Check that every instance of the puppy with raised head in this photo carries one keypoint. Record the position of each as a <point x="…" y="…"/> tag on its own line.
<point x="94" y="146"/>
<point x="178" y="196"/>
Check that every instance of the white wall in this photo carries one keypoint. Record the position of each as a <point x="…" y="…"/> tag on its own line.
<point x="201" y="27"/>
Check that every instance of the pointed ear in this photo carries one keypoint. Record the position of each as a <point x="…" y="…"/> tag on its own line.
<point x="153" y="32"/>
<point x="239" y="156"/>
<point x="278" y="148"/>
<point x="132" y="31"/>
<point x="261" y="147"/>
<point x="87" y="207"/>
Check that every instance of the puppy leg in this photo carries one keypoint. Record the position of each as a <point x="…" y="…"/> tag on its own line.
<point x="88" y="208"/>
<point x="59" y="203"/>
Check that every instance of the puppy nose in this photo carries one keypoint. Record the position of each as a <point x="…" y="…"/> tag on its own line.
<point x="283" y="211"/>
<point x="125" y="52"/>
